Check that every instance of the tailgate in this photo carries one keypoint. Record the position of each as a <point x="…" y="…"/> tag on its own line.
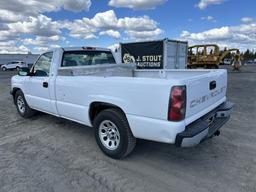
<point x="205" y="92"/>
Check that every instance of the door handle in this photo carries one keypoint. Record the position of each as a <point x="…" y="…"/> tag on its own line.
<point x="212" y="85"/>
<point x="45" y="84"/>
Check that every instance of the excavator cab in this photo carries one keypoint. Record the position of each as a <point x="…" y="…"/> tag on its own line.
<point x="204" y="56"/>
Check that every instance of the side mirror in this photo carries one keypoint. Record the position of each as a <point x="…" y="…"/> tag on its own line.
<point x="24" y="71"/>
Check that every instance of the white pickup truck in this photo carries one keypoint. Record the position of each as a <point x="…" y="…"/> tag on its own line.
<point x="182" y="107"/>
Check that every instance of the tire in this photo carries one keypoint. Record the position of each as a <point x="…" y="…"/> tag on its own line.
<point x="18" y="68"/>
<point x="108" y="142"/>
<point x="22" y="107"/>
<point x="4" y="69"/>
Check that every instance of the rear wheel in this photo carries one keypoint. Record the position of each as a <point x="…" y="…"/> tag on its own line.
<point x="113" y="134"/>
<point x="4" y="69"/>
<point x="22" y="106"/>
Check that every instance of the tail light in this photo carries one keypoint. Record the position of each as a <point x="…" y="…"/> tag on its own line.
<point x="177" y="104"/>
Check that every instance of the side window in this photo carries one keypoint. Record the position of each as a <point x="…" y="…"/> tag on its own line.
<point x="200" y="50"/>
<point x="192" y="51"/>
<point x="210" y="50"/>
<point x="43" y="64"/>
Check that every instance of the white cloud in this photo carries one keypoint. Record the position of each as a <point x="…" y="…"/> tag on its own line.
<point x="136" y="4"/>
<point x="7" y="36"/>
<point x="241" y="36"/>
<point x="80" y="28"/>
<point x="212" y="34"/>
<point x="22" y="17"/>
<point x="40" y="25"/>
<point x="77" y="5"/>
<point x="7" y="16"/>
<point x="42" y="41"/>
<point x="3" y="27"/>
<point x="41" y="49"/>
<point x="143" y="35"/>
<point x="209" y="18"/>
<point x="23" y="8"/>
<point x="19" y="18"/>
<point x="26" y="18"/>
<point x="111" y="33"/>
<point x="205" y="3"/>
<point x="107" y="21"/>
<point x="43" y="28"/>
<point x="11" y="47"/>
<point x="247" y="20"/>
<point x="137" y="23"/>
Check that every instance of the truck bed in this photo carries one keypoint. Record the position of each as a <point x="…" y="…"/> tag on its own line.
<point x="128" y="70"/>
<point x="200" y="97"/>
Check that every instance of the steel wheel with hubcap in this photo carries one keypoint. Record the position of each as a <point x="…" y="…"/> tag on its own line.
<point x="113" y="134"/>
<point x="109" y="135"/>
<point x="22" y="106"/>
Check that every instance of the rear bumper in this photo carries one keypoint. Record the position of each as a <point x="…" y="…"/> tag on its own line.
<point x="204" y="127"/>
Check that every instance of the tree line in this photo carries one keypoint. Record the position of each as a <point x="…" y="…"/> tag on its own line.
<point x="247" y="55"/>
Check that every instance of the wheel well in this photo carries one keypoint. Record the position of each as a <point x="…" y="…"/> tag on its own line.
<point x="14" y="90"/>
<point x="97" y="107"/>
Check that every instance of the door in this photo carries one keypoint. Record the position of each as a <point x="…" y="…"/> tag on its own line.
<point x="9" y="65"/>
<point x="37" y="86"/>
<point x="13" y="65"/>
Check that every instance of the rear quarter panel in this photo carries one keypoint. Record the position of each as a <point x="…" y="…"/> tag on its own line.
<point x="136" y="96"/>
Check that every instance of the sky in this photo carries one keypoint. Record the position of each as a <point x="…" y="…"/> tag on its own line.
<point x="36" y="26"/>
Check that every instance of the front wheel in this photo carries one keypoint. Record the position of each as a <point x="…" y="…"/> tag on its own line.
<point x="113" y="134"/>
<point x="17" y="68"/>
<point x="4" y="69"/>
<point x="22" y="106"/>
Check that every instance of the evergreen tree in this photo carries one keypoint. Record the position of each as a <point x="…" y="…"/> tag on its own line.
<point x="246" y="55"/>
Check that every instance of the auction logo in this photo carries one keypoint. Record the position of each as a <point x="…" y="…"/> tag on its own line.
<point x="127" y="58"/>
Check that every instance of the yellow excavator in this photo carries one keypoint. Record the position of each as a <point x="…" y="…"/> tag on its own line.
<point x="209" y="56"/>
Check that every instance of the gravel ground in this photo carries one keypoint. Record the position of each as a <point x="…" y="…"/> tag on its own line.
<point x="47" y="153"/>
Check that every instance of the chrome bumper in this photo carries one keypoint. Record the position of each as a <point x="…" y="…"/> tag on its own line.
<point x="205" y="127"/>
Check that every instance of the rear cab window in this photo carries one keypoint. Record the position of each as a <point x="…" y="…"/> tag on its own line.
<point x="86" y="58"/>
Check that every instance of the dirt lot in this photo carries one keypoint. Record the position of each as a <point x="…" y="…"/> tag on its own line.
<point x="46" y="153"/>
